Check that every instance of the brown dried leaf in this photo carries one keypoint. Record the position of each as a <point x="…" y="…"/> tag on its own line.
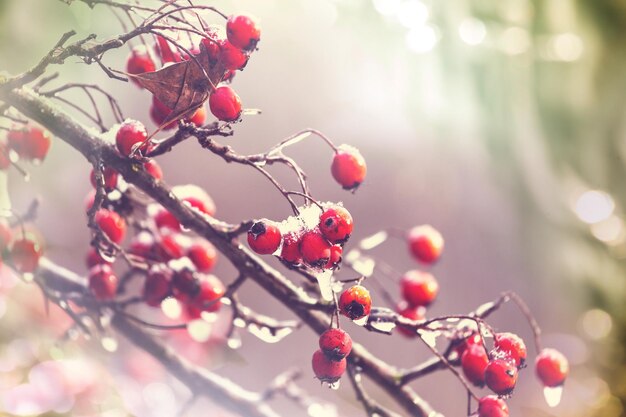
<point x="183" y="86"/>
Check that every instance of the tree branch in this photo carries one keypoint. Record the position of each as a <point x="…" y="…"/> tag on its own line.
<point x="90" y="143"/>
<point x="200" y="381"/>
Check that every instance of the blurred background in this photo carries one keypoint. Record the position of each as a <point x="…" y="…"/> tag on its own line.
<point x="498" y="122"/>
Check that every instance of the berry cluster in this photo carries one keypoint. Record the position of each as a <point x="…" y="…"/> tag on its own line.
<point x="498" y="369"/>
<point x="329" y="362"/>
<point x="305" y="240"/>
<point x="20" y="247"/>
<point x="226" y="53"/>
<point x="419" y="288"/>
<point x="28" y="143"/>
<point x="173" y="263"/>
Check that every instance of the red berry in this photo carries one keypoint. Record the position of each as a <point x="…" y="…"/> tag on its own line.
<point x="551" y="367"/>
<point x="166" y="220"/>
<point x="212" y="44"/>
<point x="243" y="32"/>
<point x="326" y="370"/>
<point x="198" y="118"/>
<point x="461" y="346"/>
<point x="195" y="51"/>
<point x="111" y="177"/>
<point x="185" y="285"/>
<point x="166" y="51"/>
<point x="425" y="243"/>
<point x="159" y="112"/>
<point x="348" y="167"/>
<point x="170" y="246"/>
<point x="203" y="255"/>
<point x="25" y="254"/>
<point x="336" y="224"/>
<point x="93" y="258"/>
<point x="492" y="406"/>
<point x="512" y="346"/>
<point x="112" y="224"/>
<point x="30" y="143"/>
<point x="264" y="237"/>
<point x="156" y="286"/>
<point x="291" y="249"/>
<point x="355" y="302"/>
<point x="153" y="168"/>
<point x="209" y="295"/>
<point x="315" y="249"/>
<point x="225" y="104"/>
<point x="6" y="234"/>
<point x="129" y="136"/>
<point x="103" y="282"/>
<point x="231" y="57"/>
<point x="419" y="288"/>
<point x="142" y="245"/>
<point x="203" y="203"/>
<point x="336" y="344"/>
<point x="5" y="160"/>
<point x="335" y="257"/>
<point x="412" y="313"/>
<point x="228" y="76"/>
<point x="501" y="376"/>
<point x="139" y="61"/>
<point x="474" y="361"/>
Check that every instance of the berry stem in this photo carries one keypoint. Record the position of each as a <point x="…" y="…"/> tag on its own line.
<point x="521" y="304"/>
<point x="448" y="365"/>
<point x="300" y="136"/>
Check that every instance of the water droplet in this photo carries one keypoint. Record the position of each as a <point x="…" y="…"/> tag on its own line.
<point x="362" y="264"/>
<point x="321" y="410"/>
<point x="209" y="317"/>
<point x="324" y="280"/>
<point x="234" y="342"/>
<point x="239" y="322"/>
<point x="429" y="337"/>
<point x="374" y="240"/>
<point x="383" y="326"/>
<point x="73" y="333"/>
<point x="114" y="195"/>
<point x="199" y="330"/>
<point x="106" y="255"/>
<point x="109" y="344"/>
<point x="105" y="320"/>
<point x="361" y="322"/>
<point x="334" y="385"/>
<point x="171" y="308"/>
<point x="553" y="395"/>
<point x="266" y="335"/>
